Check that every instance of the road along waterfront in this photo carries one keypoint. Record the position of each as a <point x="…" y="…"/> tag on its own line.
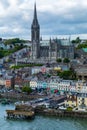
<point x="40" y="122"/>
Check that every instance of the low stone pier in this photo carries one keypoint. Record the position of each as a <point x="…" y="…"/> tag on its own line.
<point x="14" y="114"/>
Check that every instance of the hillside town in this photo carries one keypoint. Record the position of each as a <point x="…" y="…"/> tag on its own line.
<point x="45" y="79"/>
<point x="51" y="72"/>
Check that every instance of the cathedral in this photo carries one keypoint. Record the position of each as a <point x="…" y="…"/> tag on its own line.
<point x="48" y="49"/>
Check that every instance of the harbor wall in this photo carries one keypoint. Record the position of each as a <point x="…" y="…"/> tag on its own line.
<point x="53" y="112"/>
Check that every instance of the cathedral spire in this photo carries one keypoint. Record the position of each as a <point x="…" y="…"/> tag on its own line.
<point x="35" y="28"/>
<point x="35" y="11"/>
<point x="35" y="35"/>
<point x="35" y="20"/>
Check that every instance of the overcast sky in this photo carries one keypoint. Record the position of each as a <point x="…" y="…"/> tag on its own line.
<point x="56" y="17"/>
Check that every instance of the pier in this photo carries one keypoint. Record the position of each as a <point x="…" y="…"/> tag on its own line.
<point x="15" y="114"/>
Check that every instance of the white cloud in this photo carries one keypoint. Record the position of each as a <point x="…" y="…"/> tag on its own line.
<point x="4" y="29"/>
<point x="55" y="16"/>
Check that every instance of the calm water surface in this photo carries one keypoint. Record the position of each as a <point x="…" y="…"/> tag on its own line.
<point x="40" y="122"/>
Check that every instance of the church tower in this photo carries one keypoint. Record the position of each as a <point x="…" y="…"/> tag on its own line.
<point x="35" y="36"/>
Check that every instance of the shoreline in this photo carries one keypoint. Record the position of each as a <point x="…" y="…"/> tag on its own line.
<point x="43" y="110"/>
<point x="53" y="112"/>
<point x="61" y="113"/>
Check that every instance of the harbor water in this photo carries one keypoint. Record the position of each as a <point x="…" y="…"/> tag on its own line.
<point x="40" y="122"/>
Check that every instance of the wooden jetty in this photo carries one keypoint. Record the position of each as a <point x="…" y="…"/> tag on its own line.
<point x="15" y="114"/>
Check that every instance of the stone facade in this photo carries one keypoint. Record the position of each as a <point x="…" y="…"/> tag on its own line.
<point x="49" y="49"/>
<point x="35" y="36"/>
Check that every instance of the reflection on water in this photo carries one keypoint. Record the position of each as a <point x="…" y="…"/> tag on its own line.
<point x="40" y="122"/>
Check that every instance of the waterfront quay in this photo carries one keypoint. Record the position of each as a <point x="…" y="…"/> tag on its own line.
<point x="14" y="114"/>
<point x="28" y="109"/>
<point x="49" y="106"/>
<point x="38" y="122"/>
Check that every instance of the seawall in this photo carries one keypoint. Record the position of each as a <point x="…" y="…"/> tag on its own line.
<point x="61" y="113"/>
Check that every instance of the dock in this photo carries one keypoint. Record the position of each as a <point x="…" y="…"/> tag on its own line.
<point x="15" y="114"/>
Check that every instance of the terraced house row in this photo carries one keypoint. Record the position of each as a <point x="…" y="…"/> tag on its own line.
<point x="60" y="85"/>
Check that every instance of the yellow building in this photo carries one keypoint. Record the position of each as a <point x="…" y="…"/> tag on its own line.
<point x="71" y="101"/>
<point x="57" y="68"/>
<point x="33" y="84"/>
<point x="79" y="86"/>
<point x="82" y="100"/>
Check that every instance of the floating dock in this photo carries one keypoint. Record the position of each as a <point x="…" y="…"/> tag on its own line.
<point x="15" y="114"/>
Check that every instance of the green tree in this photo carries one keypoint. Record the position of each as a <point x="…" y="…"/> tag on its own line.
<point x="1" y="55"/>
<point x="26" y="89"/>
<point x="82" y="45"/>
<point x="69" y="109"/>
<point x="66" y="60"/>
<point x="73" y="41"/>
<point x="1" y="48"/>
<point x="13" y="41"/>
<point x="59" y="60"/>
<point x="76" y="41"/>
<point x="69" y="74"/>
